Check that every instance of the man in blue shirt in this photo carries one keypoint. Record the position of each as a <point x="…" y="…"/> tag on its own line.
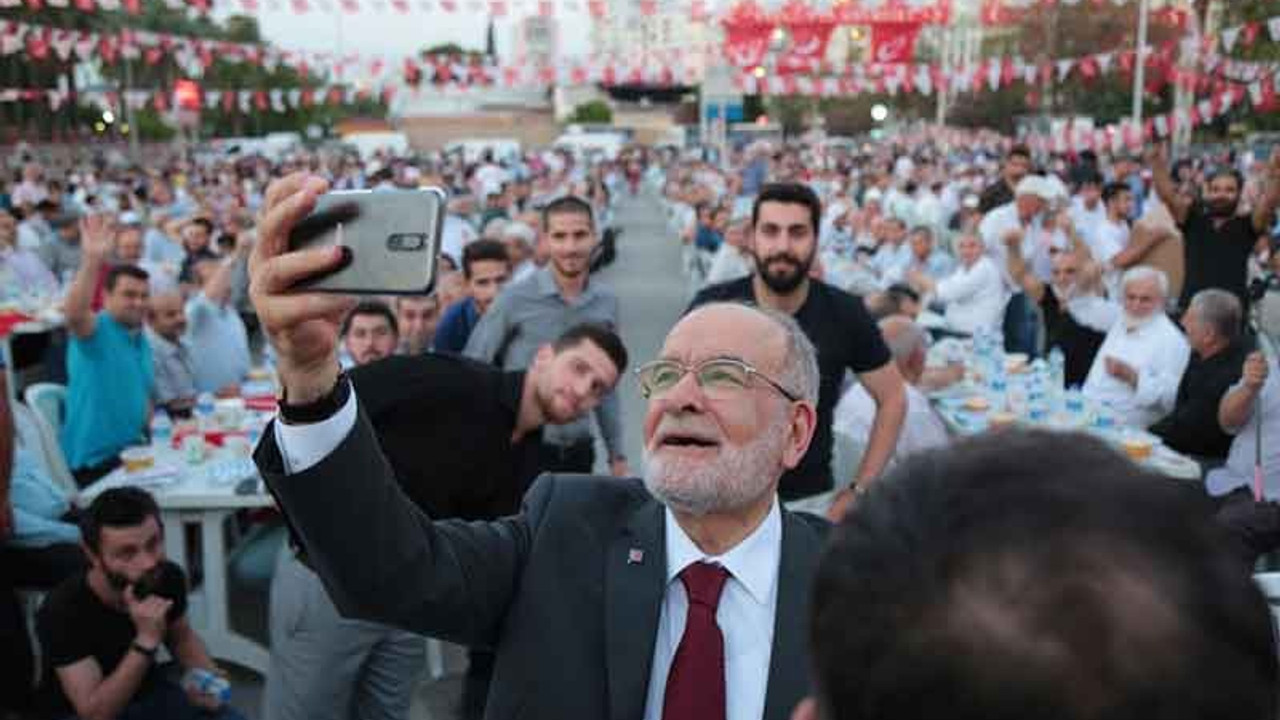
<point x="108" y="360"/>
<point x="486" y="266"/>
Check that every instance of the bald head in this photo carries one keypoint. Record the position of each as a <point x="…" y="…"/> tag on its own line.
<point x="166" y="315"/>
<point x="908" y="343"/>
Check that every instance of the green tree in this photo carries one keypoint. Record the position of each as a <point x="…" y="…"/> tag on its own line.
<point x="593" y="111"/>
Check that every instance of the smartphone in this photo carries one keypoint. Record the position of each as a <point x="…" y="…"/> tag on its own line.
<point x="393" y="235"/>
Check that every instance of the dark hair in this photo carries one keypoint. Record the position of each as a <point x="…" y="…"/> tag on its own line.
<point x="371" y="307"/>
<point x="1225" y="171"/>
<point x="991" y="580"/>
<point x="1088" y="175"/>
<point x="922" y="230"/>
<point x="1113" y="190"/>
<point x="569" y="204"/>
<point x="789" y="194"/>
<point x="121" y="507"/>
<point x="203" y="222"/>
<point x="1019" y="150"/>
<point x="118" y="271"/>
<point x="481" y="250"/>
<point x="598" y="334"/>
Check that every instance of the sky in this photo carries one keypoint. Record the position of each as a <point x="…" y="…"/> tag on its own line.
<point x="393" y="34"/>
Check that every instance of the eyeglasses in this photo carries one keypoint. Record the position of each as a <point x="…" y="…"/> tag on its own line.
<point x="719" y="378"/>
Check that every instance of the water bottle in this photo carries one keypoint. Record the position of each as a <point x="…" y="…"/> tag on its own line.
<point x="161" y="428"/>
<point x="1057" y="374"/>
<point x="204" y="410"/>
<point x="202" y="681"/>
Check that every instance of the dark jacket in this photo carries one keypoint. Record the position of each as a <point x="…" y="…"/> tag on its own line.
<point x="553" y="589"/>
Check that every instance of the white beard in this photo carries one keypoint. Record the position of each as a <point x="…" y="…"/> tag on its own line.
<point x="735" y="478"/>
<point x="1132" y="323"/>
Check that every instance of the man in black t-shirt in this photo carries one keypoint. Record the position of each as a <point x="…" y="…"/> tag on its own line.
<point x="100" y="639"/>
<point x="1216" y="240"/>
<point x="784" y="241"/>
<point x="465" y="441"/>
<point x="1067" y="294"/>
<point x="1017" y="165"/>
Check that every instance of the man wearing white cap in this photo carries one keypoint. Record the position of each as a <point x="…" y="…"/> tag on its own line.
<point x="1023" y="223"/>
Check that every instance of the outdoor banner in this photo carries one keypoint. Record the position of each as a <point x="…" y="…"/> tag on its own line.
<point x="893" y="42"/>
<point x="747" y="31"/>
<point x="810" y="32"/>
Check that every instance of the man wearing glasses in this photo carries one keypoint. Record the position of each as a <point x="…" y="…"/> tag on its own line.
<point x="677" y="597"/>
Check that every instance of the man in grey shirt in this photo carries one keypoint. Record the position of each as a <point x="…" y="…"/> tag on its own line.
<point x="533" y="312"/>
<point x="175" y="385"/>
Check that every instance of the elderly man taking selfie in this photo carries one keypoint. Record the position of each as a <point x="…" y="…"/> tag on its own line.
<point x="679" y="596"/>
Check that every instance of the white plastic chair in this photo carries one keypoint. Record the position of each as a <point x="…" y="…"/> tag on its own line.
<point x="36" y="433"/>
<point x="48" y="399"/>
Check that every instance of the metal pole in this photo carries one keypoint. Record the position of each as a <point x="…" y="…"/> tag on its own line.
<point x="134" y="151"/>
<point x="941" y="116"/>
<point x="1140" y="65"/>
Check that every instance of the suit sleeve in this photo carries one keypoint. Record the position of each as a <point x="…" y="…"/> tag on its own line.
<point x="382" y="559"/>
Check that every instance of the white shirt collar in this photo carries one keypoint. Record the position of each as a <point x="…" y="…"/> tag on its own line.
<point x="752" y="562"/>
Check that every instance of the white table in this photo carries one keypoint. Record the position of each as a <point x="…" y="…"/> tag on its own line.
<point x="952" y="405"/>
<point x="204" y="495"/>
<point x="47" y="320"/>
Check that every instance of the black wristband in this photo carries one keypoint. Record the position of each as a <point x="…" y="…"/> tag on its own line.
<point x="140" y="648"/>
<point x="322" y="408"/>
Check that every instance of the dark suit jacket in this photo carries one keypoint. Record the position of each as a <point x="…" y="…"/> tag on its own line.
<point x="551" y="589"/>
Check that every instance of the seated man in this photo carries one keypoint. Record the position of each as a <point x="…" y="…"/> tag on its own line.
<point x="989" y="581"/>
<point x="922" y="429"/>
<point x="1138" y="367"/>
<point x="100" y="639"/>
<point x="1076" y="316"/>
<point x="108" y="361"/>
<point x="926" y="258"/>
<point x="417" y="317"/>
<point x="1212" y="322"/>
<point x="369" y="333"/>
<point x="1250" y="513"/>
<point x="175" y="376"/>
<point x="486" y="267"/>
<point x="215" y="331"/>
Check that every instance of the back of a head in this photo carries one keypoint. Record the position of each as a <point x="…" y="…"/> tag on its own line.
<point x="992" y="581"/>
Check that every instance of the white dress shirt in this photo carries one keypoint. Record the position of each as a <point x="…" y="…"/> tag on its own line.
<point x="921" y="430"/>
<point x="974" y="296"/>
<point x="1158" y="352"/>
<point x="748" y="606"/>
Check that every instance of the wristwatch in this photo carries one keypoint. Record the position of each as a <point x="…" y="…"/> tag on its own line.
<point x="150" y="653"/>
<point x="322" y="408"/>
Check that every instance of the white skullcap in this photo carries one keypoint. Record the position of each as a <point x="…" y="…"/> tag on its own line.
<point x="1035" y="185"/>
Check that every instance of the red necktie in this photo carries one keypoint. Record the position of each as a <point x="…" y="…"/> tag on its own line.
<point x="695" y="684"/>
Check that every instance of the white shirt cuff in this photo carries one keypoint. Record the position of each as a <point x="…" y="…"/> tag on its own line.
<point x="303" y="446"/>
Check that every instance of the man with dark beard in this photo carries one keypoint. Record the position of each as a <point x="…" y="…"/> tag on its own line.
<point x="784" y="240"/>
<point x="1217" y="240"/>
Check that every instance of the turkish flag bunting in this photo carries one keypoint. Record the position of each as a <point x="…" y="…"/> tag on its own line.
<point x="894" y="42"/>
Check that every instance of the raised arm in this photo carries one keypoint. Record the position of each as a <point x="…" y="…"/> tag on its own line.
<point x="1017" y="266"/>
<point x="447" y="579"/>
<point x="1237" y="405"/>
<point x="1264" y="215"/>
<point x="97" y="235"/>
<point x="1166" y="188"/>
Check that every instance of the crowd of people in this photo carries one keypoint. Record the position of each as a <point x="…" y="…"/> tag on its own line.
<point x="819" y="276"/>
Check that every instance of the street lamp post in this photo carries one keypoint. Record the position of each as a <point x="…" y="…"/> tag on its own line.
<point x="1140" y="65"/>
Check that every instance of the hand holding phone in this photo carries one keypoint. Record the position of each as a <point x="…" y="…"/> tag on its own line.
<point x="393" y="237"/>
<point x="303" y="326"/>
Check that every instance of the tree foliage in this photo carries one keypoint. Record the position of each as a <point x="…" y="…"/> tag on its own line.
<point x="35" y="120"/>
<point x="592" y="111"/>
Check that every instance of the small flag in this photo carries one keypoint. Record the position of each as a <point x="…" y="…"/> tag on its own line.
<point x="635" y="556"/>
